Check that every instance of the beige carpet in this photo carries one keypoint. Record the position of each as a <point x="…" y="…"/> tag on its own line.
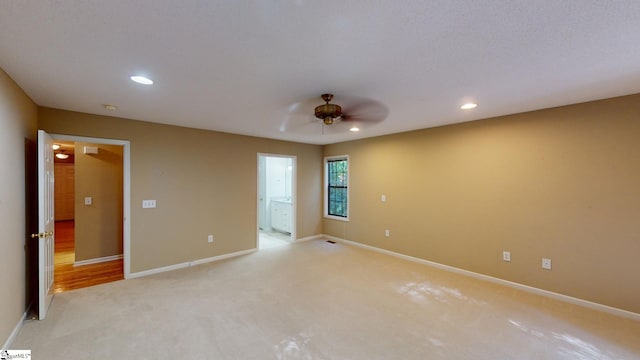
<point x="316" y="300"/>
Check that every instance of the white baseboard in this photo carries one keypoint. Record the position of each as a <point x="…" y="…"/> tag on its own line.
<point x="158" y="270"/>
<point x="188" y="264"/>
<point x="550" y="294"/>
<point x="14" y="333"/>
<point x="97" y="260"/>
<point x="308" y="238"/>
<point x="222" y="257"/>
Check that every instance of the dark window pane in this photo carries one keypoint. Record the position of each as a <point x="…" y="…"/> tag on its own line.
<point x="337" y="177"/>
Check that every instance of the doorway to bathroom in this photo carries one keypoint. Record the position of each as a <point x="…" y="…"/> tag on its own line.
<point x="276" y="200"/>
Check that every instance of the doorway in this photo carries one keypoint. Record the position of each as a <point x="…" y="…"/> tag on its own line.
<point x="276" y="200"/>
<point x="88" y="206"/>
<point x="111" y="154"/>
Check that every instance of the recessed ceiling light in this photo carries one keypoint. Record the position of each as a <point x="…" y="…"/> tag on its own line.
<point x="55" y="146"/>
<point x="468" y="106"/>
<point x="142" y="80"/>
<point x="354" y="129"/>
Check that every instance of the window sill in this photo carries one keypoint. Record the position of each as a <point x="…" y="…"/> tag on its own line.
<point x="340" y="218"/>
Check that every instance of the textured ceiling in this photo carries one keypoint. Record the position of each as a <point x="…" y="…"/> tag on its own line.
<point x="258" y="67"/>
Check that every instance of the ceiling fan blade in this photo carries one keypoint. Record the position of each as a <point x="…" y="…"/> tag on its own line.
<point x="296" y="122"/>
<point x="365" y="110"/>
<point x="297" y="115"/>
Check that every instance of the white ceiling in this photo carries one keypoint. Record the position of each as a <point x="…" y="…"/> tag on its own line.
<point x="240" y="66"/>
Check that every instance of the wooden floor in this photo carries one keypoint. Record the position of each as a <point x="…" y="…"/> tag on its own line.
<point x="66" y="276"/>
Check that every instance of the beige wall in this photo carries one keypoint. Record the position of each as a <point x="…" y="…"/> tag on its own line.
<point x="98" y="227"/>
<point x="204" y="183"/>
<point x="64" y="185"/>
<point x="561" y="183"/>
<point x="17" y="123"/>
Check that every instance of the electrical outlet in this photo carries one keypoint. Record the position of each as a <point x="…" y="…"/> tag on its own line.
<point x="383" y="198"/>
<point x="506" y="256"/>
<point x="546" y="263"/>
<point x="210" y="238"/>
<point x="387" y="233"/>
<point x="88" y="200"/>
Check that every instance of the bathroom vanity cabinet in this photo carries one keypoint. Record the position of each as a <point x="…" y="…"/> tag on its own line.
<point x="281" y="215"/>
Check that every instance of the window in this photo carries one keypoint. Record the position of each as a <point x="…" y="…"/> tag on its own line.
<point x="337" y="187"/>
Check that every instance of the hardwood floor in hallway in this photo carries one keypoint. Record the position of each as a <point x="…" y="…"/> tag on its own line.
<point x="66" y="276"/>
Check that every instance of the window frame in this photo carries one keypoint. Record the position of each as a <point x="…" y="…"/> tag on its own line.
<point x="328" y="159"/>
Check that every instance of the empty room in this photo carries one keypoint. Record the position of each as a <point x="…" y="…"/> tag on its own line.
<point x="320" y="180"/>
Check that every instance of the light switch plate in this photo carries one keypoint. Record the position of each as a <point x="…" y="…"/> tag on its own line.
<point x="506" y="255"/>
<point x="90" y="150"/>
<point x="148" y="204"/>
<point x="88" y="200"/>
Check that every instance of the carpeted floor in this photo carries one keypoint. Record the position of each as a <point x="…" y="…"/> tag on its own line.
<point x="317" y="300"/>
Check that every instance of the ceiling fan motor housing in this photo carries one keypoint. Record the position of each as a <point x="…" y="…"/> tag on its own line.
<point x="327" y="112"/>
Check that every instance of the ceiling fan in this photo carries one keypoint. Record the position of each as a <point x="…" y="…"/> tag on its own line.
<point x="353" y="114"/>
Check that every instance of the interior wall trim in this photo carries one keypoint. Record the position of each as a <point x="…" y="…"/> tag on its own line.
<point x="530" y="289"/>
<point x="14" y="333"/>
<point x="309" y="238"/>
<point x="97" y="260"/>
<point x="189" y="264"/>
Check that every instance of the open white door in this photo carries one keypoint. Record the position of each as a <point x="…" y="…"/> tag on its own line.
<point x="46" y="223"/>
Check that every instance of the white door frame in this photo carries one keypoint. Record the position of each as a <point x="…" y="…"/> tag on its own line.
<point x="262" y="189"/>
<point x="126" y="189"/>
<point x="294" y="194"/>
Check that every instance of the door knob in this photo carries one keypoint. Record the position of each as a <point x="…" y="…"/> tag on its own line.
<point x="42" y="235"/>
